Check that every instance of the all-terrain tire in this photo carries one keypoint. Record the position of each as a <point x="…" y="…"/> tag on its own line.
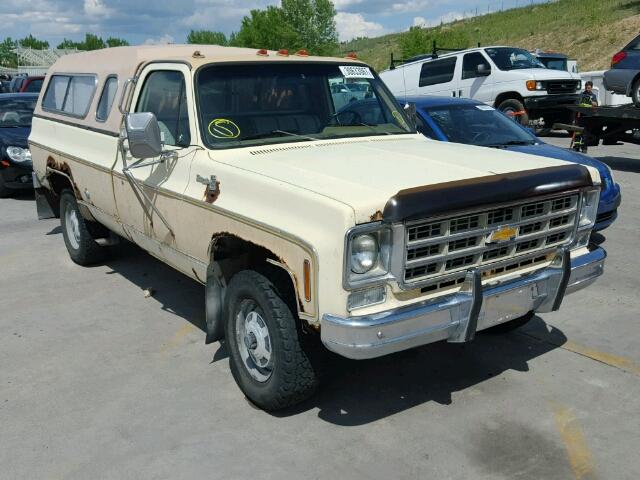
<point x="80" y="244"/>
<point x="293" y="377"/>
<point x="511" y="325"/>
<point x="515" y="108"/>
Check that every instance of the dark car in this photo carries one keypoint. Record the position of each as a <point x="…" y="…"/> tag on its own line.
<point x="16" y="111"/>
<point x="474" y="123"/>
<point x="624" y="76"/>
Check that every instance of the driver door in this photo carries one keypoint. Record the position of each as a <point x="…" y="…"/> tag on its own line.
<point x="149" y="205"/>
<point x="473" y="85"/>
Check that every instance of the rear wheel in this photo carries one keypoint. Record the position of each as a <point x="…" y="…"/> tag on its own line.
<point x="515" y="109"/>
<point x="267" y="357"/>
<point x="511" y="325"/>
<point x="81" y="246"/>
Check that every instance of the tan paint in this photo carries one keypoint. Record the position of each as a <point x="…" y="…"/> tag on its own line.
<point x="575" y="443"/>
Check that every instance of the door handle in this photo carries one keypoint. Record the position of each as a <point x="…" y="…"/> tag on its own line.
<point x="454" y="93"/>
<point x="459" y="93"/>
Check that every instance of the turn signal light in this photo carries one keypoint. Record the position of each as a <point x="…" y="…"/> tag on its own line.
<point x="307" y="280"/>
<point x="4" y="163"/>
<point x="283" y="52"/>
<point x="618" y="57"/>
<point x="262" y="52"/>
<point x="531" y="84"/>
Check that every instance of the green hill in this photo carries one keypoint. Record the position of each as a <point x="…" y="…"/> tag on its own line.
<point x="590" y="31"/>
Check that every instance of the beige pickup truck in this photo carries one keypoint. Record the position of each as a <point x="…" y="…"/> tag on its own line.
<point x="308" y="224"/>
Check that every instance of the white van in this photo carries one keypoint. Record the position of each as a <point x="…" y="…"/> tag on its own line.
<point x="509" y="78"/>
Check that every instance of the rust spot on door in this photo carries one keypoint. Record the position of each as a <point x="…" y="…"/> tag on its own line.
<point x="212" y="194"/>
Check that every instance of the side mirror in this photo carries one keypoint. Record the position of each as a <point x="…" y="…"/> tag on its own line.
<point x="482" y="70"/>
<point x="143" y="133"/>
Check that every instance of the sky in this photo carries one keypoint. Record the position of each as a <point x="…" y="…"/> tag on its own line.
<point x="169" y="21"/>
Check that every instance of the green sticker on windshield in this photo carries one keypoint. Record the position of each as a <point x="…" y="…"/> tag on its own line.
<point x="398" y="116"/>
<point x="223" y="128"/>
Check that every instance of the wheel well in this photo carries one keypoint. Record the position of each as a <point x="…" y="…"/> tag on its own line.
<point x="631" y="84"/>
<point x="232" y="254"/>
<point x="506" y="96"/>
<point x="59" y="182"/>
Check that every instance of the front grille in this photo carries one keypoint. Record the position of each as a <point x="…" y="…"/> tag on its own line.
<point x="562" y="86"/>
<point x="440" y="252"/>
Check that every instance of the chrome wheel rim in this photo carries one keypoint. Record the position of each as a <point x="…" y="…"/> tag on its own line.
<point x="72" y="224"/>
<point x="253" y="341"/>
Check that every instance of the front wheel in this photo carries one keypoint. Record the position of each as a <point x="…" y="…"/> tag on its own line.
<point x="81" y="246"/>
<point x="266" y="354"/>
<point x="514" y="109"/>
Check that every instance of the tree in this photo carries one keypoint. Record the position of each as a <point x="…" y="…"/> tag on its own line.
<point x="67" y="44"/>
<point x="266" y="29"/>
<point x="8" y="58"/>
<point x="207" y="37"/>
<point x="314" y="20"/>
<point x="297" y="24"/>
<point x="116" y="42"/>
<point x="32" y="42"/>
<point x="91" y="42"/>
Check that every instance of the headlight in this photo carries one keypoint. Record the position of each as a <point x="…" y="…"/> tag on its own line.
<point x="364" y="253"/>
<point x="19" y="154"/>
<point x="368" y="253"/>
<point x="534" y="85"/>
<point x="589" y="208"/>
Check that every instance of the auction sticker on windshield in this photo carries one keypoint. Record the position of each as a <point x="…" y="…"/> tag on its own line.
<point x="354" y="71"/>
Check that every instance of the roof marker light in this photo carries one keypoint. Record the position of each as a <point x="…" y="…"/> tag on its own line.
<point x="302" y="53"/>
<point x="262" y="52"/>
<point x="283" y="52"/>
<point x="351" y="55"/>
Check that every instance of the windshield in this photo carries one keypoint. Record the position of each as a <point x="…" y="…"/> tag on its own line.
<point x="245" y="105"/>
<point x="555" y="63"/>
<point x="479" y="125"/>
<point x="508" y="58"/>
<point x="16" y="112"/>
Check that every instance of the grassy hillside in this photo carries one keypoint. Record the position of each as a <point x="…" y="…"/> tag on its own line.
<point x="590" y="31"/>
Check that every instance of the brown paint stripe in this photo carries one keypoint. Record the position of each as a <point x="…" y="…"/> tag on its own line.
<point x="580" y="457"/>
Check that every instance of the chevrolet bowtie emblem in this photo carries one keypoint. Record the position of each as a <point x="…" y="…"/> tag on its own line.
<point x="502" y="234"/>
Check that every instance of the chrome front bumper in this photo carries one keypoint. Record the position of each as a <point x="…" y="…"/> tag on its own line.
<point x="457" y="317"/>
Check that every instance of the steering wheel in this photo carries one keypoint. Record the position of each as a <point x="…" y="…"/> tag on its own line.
<point x="479" y="137"/>
<point x="346" y="117"/>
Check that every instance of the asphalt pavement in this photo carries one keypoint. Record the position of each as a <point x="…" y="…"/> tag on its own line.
<point x="98" y="381"/>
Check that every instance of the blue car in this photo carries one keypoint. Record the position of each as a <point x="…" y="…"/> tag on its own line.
<point x="16" y="110"/>
<point x="475" y="123"/>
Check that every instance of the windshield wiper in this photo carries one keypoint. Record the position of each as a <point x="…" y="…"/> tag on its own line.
<point x="511" y="143"/>
<point x="276" y="132"/>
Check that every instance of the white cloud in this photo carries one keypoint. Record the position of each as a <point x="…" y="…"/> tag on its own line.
<point x="353" y="25"/>
<point x="95" y="8"/>
<point x="411" y="6"/>
<point x="163" y="40"/>
<point x="419" y="21"/>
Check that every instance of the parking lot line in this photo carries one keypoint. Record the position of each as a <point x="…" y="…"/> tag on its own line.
<point x="616" y="361"/>
<point x="578" y="452"/>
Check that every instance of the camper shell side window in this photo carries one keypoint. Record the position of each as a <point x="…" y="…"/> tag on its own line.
<point x="70" y="94"/>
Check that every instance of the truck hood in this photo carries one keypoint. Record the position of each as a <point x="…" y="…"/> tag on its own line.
<point x="543" y="74"/>
<point x="364" y="173"/>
